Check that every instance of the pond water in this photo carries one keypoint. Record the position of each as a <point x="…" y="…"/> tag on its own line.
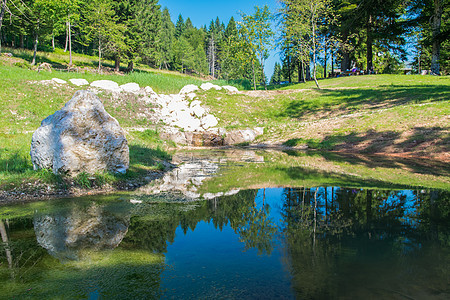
<point x="213" y="229"/>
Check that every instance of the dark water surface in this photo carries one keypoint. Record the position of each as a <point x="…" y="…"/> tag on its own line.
<point x="265" y="243"/>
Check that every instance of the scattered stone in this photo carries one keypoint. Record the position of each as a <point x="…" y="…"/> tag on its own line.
<point x="106" y="85"/>
<point x="198" y="111"/>
<point x="240" y="136"/>
<point x="230" y="88"/>
<point x="45" y="66"/>
<point x="7" y="54"/>
<point x="207" y="86"/>
<point x="195" y="103"/>
<point x="209" y="121"/>
<point x="130" y="87"/>
<point x="188" y="89"/>
<point x="81" y="137"/>
<point x="79" y="82"/>
<point x="59" y="81"/>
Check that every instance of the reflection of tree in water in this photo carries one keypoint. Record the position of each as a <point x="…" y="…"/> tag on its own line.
<point x="239" y="211"/>
<point x="258" y="230"/>
<point x="342" y="240"/>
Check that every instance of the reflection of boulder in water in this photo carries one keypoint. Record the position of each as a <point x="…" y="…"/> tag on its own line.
<point x="194" y="168"/>
<point x="64" y="235"/>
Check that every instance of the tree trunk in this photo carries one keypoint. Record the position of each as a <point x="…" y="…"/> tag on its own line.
<point x="22" y="44"/>
<point x="254" y="75"/>
<point x="99" y="55"/>
<point x="70" y="44"/>
<point x="130" y="67"/>
<point x="2" y="13"/>
<point x="325" y="59"/>
<point x="300" y="70"/>
<point x="53" y="41"/>
<point x="435" y="31"/>
<point x="332" y="62"/>
<point x="117" y="63"/>
<point x="4" y="235"/>
<point x="263" y="75"/>
<point x="289" y="68"/>
<point x="67" y="36"/>
<point x="33" y="62"/>
<point x="314" y="44"/>
<point x="369" y="54"/>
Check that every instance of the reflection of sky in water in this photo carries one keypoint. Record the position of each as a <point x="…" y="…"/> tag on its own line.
<point x="409" y="203"/>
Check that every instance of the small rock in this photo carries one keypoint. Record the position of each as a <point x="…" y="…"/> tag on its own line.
<point x="188" y="89"/>
<point x="198" y="111"/>
<point x="209" y="121"/>
<point x="106" y="85"/>
<point x="195" y="103"/>
<point x="60" y="81"/>
<point x="207" y="86"/>
<point x="79" y="82"/>
<point x="230" y="88"/>
<point x="130" y="87"/>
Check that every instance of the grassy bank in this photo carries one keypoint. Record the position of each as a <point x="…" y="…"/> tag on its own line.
<point x="364" y="114"/>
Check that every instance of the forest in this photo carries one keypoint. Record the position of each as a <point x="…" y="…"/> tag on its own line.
<point x="314" y="38"/>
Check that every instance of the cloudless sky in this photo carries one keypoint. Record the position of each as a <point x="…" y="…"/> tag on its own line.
<point x="201" y="12"/>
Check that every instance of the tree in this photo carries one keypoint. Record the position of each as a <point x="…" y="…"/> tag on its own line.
<point x="100" y="25"/>
<point x="301" y="21"/>
<point x="259" y="34"/>
<point x="429" y="17"/>
<point x="166" y="40"/>
<point x="276" y="77"/>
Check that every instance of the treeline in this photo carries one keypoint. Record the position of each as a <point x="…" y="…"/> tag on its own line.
<point x="131" y="31"/>
<point x="314" y="37"/>
<point x="364" y="35"/>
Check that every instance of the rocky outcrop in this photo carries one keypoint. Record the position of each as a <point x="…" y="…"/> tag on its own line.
<point x="81" y="137"/>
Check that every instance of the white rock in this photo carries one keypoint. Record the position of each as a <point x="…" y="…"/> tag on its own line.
<point x="81" y="137"/>
<point x="198" y="111"/>
<point x="130" y="87"/>
<point x="195" y="103"/>
<point x="149" y="90"/>
<point x="176" y="106"/>
<point x="188" y="89"/>
<point x="209" y="121"/>
<point x="60" y="81"/>
<point x="106" y="85"/>
<point x="207" y="86"/>
<point x="79" y="82"/>
<point x="191" y="96"/>
<point x="230" y="88"/>
<point x="259" y="130"/>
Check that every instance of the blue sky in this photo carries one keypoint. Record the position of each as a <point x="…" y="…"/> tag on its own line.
<point x="201" y="12"/>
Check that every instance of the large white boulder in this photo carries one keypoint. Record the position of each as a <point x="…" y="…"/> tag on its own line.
<point x="188" y="89"/>
<point x="209" y="121"/>
<point x="79" y="82"/>
<point x="107" y="85"/>
<point x="230" y="88"/>
<point x="130" y="87"/>
<point x="81" y="137"/>
<point x="207" y="86"/>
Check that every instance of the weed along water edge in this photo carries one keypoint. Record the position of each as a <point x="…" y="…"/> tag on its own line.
<point x="240" y="224"/>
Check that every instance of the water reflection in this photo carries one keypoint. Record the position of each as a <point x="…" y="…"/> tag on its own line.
<point x="318" y="242"/>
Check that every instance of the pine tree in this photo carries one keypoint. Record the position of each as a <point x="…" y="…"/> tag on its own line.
<point x="166" y="40"/>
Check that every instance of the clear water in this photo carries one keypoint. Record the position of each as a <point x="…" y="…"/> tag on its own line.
<point x="267" y="243"/>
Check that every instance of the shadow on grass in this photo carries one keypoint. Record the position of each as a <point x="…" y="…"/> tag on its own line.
<point x="148" y="157"/>
<point x="350" y="99"/>
<point x="435" y="140"/>
<point x="15" y="163"/>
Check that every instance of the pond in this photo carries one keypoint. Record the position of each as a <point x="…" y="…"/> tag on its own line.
<point x="241" y="225"/>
